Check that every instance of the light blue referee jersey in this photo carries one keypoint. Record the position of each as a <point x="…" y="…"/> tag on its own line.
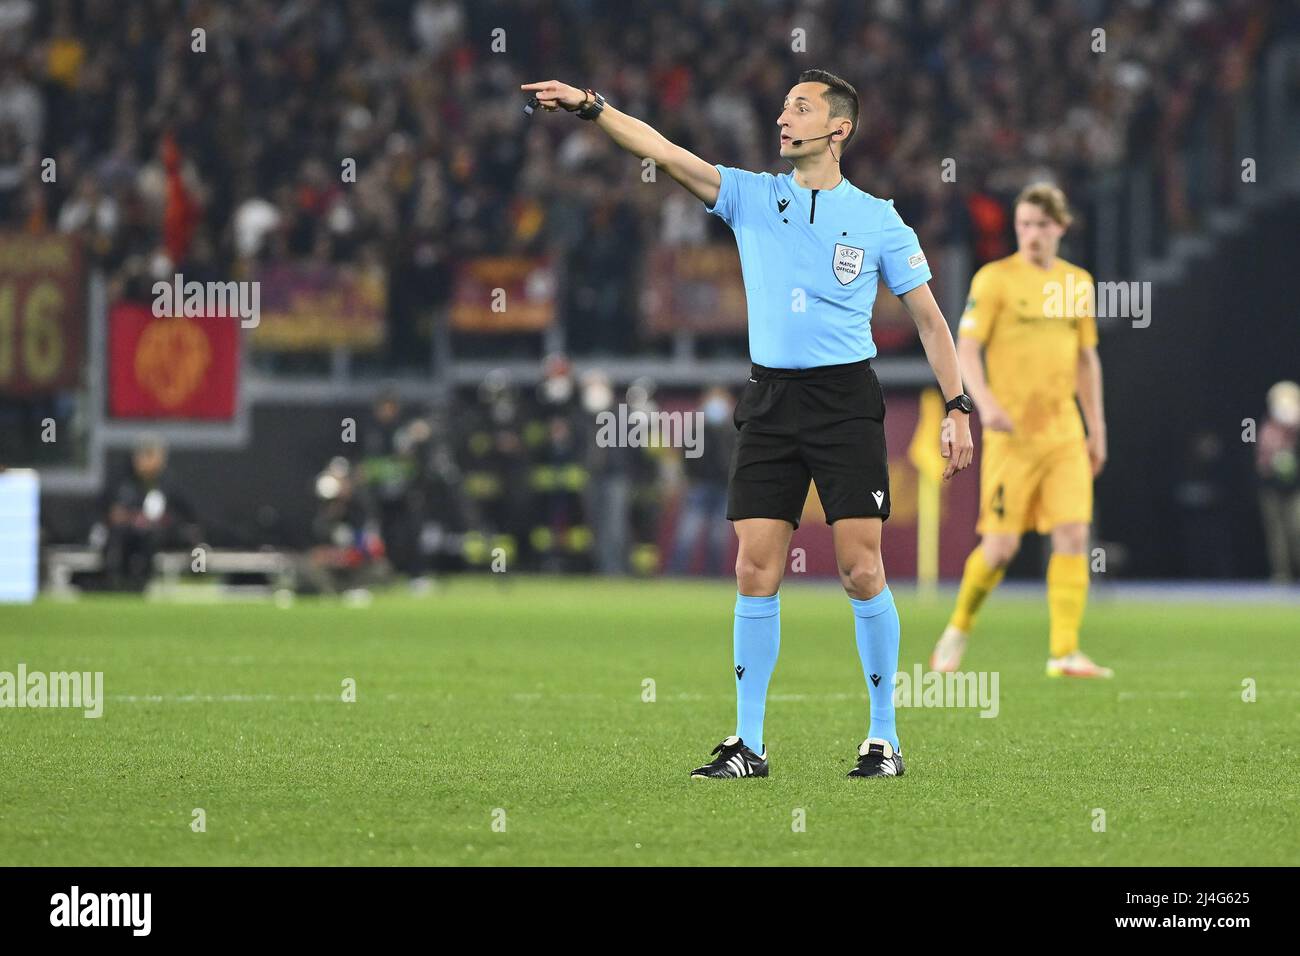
<point x="811" y="260"/>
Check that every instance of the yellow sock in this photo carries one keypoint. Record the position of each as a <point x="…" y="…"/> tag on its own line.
<point x="976" y="582"/>
<point x="1067" y="593"/>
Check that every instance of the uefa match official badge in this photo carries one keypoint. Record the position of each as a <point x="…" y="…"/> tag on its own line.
<point x="848" y="262"/>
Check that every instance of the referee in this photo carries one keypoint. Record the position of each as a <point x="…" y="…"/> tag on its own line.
<point x="812" y="249"/>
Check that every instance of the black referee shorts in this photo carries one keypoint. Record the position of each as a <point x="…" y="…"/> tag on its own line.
<point x="826" y="424"/>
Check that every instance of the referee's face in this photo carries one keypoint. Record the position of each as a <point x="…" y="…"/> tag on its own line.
<point x="805" y="114"/>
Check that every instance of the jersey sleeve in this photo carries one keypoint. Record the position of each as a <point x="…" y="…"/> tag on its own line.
<point x="902" y="263"/>
<point x="982" y="305"/>
<point x="735" y="195"/>
<point x="1088" y="317"/>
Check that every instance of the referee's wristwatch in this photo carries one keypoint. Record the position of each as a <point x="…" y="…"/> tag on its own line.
<point x="591" y="106"/>
<point x="961" y="403"/>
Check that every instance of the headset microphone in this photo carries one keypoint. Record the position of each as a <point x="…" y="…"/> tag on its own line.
<point x="812" y="139"/>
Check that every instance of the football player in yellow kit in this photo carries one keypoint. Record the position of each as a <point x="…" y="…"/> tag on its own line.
<point x="1030" y="319"/>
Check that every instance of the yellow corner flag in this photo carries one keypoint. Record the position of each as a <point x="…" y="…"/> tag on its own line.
<point x="924" y="455"/>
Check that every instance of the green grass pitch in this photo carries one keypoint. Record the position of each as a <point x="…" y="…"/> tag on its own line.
<point x="525" y="696"/>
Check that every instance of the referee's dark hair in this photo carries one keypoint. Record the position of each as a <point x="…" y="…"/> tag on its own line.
<point x="841" y="97"/>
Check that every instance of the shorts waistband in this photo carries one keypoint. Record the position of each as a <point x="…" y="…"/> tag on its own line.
<point x="762" y="372"/>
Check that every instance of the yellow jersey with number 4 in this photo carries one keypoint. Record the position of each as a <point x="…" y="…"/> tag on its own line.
<point x="1032" y="323"/>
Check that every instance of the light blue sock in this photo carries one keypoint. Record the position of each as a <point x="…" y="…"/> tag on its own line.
<point x="756" y="641"/>
<point x="876" y="624"/>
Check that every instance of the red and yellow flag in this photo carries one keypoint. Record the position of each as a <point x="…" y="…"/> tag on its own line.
<point x="171" y="367"/>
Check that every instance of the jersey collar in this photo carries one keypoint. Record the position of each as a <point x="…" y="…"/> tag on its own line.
<point x="841" y="186"/>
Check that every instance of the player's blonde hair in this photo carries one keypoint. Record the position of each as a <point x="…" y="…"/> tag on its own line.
<point x="1049" y="198"/>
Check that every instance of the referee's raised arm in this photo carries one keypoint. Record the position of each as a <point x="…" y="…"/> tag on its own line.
<point x="638" y="138"/>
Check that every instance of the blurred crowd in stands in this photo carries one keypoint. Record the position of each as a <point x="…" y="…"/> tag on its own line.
<point x="206" y="152"/>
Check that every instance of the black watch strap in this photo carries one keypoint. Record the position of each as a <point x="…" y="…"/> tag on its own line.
<point x="961" y="403"/>
<point x="590" y="110"/>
